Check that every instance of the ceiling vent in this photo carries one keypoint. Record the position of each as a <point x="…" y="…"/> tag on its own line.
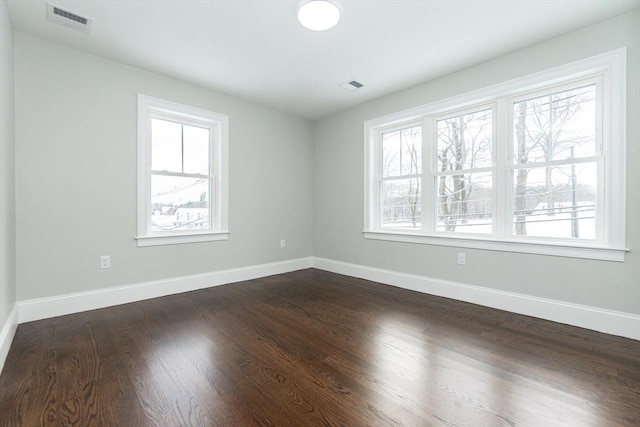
<point x="352" y="85"/>
<point x="67" y="18"/>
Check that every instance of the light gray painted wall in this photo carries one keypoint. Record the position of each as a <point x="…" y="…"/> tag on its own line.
<point x="7" y="170"/>
<point x="339" y="185"/>
<point x="76" y="176"/>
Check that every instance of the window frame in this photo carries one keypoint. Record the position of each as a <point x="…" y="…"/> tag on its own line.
<point x="598" y="157"/>
<point x="432" y="171"/>
<point x="218" y="124"/>
<point x="379" y="166"/>
<point x="609" y="69"/>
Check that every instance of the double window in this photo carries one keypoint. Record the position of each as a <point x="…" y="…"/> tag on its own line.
<point x="534" y="165"/>
<point x="182" y="173"/>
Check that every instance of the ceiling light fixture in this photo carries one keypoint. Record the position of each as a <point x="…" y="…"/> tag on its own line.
<point x="318" y="15"/>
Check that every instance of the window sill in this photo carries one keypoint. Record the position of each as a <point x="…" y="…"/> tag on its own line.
<point x="585" y="251"/>
<point x="180" y="239"/>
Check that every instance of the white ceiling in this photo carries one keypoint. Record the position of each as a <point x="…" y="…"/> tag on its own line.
<point x="256" y="49"/>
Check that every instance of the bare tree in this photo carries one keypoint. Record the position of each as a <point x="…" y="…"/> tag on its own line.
<point x="459" y="149"/>
<point x="540" y="125"/>
<point x="413" y="195"/>
<point x="402" y="158"/>
<point x="547" y="121"/>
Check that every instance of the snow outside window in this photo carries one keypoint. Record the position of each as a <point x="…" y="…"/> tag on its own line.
<point x="182" y="179"/>
<point x="533" y="165"/>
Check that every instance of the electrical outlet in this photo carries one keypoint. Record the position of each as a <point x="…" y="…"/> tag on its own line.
<point x="462" y="258"/>
<point x="282" y="244"/>
<point x="105" y="261"/>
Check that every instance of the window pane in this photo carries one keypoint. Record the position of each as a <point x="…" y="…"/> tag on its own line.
<point x="402" y="152"/>
<point x="179" y="203"/>
<point x="557" y="126"/>
<point x="401" y="203"/>
<point x="555" y="201"/>
<point x="391" y="163"/>
<point x="465" y="141"/>
<point x="196" y="150"/>
<point x="411" y="143"/>
<point x="464" y="203"/>
<point x="166" y="146"/>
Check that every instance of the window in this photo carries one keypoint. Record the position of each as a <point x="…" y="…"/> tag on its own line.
<point x="182" y="173"/>
<point x="533" y="165"/>
<point x="555" y="163"/>
<point x="464" y="172"/>
<point x="402" y="177"/>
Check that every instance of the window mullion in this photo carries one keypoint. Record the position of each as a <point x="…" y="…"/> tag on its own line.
<point x="428" y="196"/>
<point x="182" y="147"/>
<point x="144" y="173"/>
<point x="602" y="231"/>
<point x="503" y="211"/>
<point x="568" y="161"/>
<point x="178" y="174"/>
<point x="377" y="167"/>
<point x="465" y="171"/>
<point x="400" y="177"/>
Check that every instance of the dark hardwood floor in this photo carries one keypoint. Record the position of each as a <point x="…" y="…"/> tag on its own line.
<point x="315" y="348"/>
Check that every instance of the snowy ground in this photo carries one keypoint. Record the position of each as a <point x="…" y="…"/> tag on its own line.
<point x="558" y="225"/>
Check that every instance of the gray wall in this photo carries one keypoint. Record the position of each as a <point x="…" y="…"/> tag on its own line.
<point x="76" y="180"/>
<point x="339" y="185"/>
<point x="7" y="170"/>
<point x="76" y="176"/>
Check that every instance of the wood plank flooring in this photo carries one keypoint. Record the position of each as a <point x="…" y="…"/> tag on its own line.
<point x="314" y="348"/>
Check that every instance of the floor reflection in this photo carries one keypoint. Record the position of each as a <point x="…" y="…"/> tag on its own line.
<point x="474" y="380"/>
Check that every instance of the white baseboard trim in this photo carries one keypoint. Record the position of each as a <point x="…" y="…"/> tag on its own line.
<point x="43" y="308"/>
<point x="7" y="333"/>
<point x="597" y="319"/>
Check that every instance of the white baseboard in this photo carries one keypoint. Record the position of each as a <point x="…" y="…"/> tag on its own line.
<point x="7" y="333"/>
<point x="597" y="319"/>
<point x="43" y="308"/>
<point x="602" y="320"/>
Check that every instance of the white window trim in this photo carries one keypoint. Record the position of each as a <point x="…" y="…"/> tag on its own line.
<point x="612" y="66"/>
<point x="219" y="152"/>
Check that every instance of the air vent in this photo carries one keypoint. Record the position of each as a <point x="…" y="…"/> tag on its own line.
<point x="352" y="85"/>
<point x="68" y="18"/>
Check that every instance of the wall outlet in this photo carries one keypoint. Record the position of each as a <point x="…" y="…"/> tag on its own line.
<point x="105" y="261"/>
<point x="282" y="244"/>
<point x="462" y="258"/>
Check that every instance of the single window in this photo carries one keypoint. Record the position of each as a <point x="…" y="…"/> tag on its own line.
<point x="182" y="173"/>
<point x="555" y="164"/>
<point x="533" y="165"/>
<point x="401" y="178"/>
<point x="464" y="173"/>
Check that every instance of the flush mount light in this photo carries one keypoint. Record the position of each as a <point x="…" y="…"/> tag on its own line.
<point x="318" y="15"/>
